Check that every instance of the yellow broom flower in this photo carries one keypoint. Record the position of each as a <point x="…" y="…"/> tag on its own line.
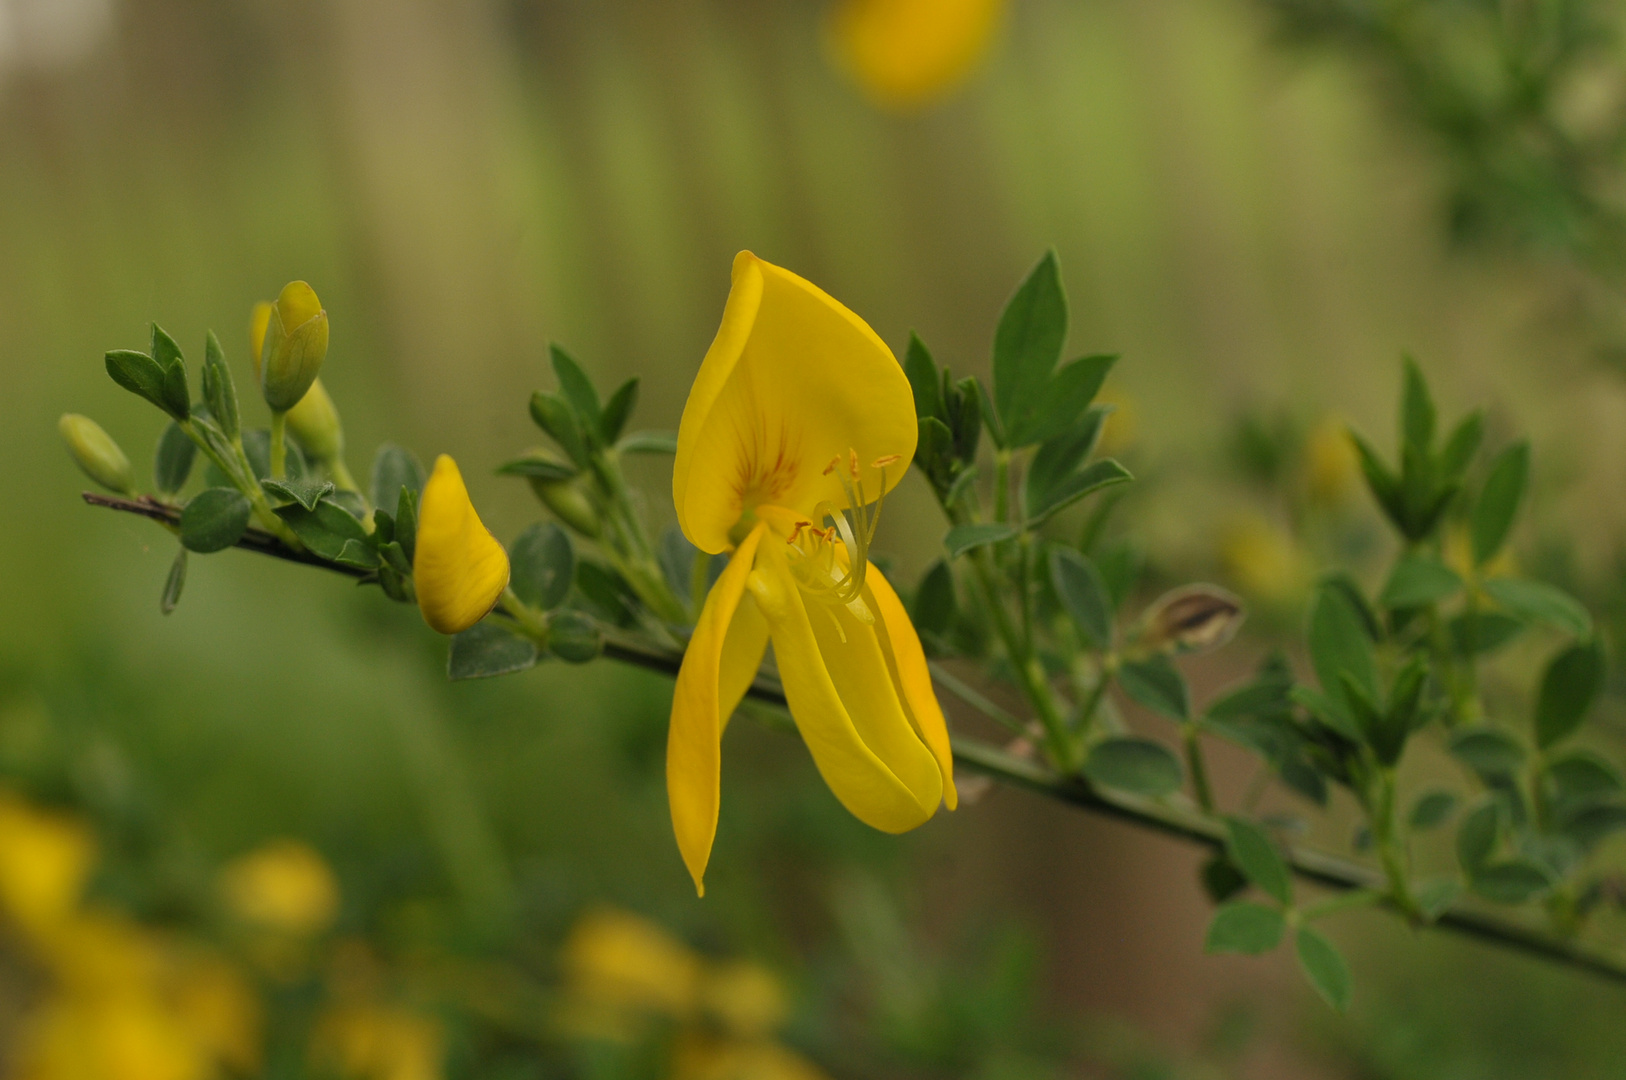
<point x="800" y="415"/>
<point x="459" y="569"/>
<point x="906" y="54"/>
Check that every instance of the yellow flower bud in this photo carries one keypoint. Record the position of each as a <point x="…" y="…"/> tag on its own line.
<point x="906" y="54"/>
<point x="568" y="503"/>
<point x="293" y="346"/>
<point x="315" y="423"/>
<point x="459" y="568"/>
<point x="96" y="453"/>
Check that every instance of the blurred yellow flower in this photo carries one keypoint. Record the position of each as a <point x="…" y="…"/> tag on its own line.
<point x="44" y="860"/>
<point x="1264" y="561"/>
<point x="1330" y="465"/>
<point x="379" y="1042"/>
<point x="284" y="886"/>
<point x="622" y="973"/>
<point x="794" y="384"/>
<point x="459" y="569"/>
<point x="1121" y="425"/>
<point x="906" y="54"/>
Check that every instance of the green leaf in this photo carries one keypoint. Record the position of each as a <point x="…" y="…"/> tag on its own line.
<point x="214" y="519"/>
<point x="963" y="538"/>
<point x="1432" y="809"/>
<point x="921" y="369"/>
<point x="576" y="387"/>
<point x="1028" y="344"/>
<point x="257" y="448"/>
<point x="554" y="416"/>
<point x="1140" y="766"/>
<point x="174" y="583"/>
<point x="1060" y="456"/>
<point x="617" y="411"/>
<point x="573" y="637"/>
<point x="172" y="464"/>
<point x="1589" y="824"/>
<point x="1568" y="688"/>
<point x="219" y="388"/>
<point x="1437" y="895"/>
<point x="1382" y="481"/>
<point x="1334" y="714"/>
<point x="1220" y="879"/>
<point x="1092" y="478"/>
<point x="1488" y="751"/>
<point x="1580" y="776"/>
<point x="1460" y="447"/>
<point x="986" y="412"/>
<point x="394" y="467"/>
<point x="327" y="529"/>
<point x="1536" y="601"/>
<point x="649" y="442"/>
<point x="1498" y="503"/>
<point x="1418" y="581"/>
<point x="1477" y="835"/>
<point x="177" y="397"/>
<point x="965" y="418"/>
<point x="306" y="491"/>
<point x="1416" y="409"/>
<point x="1083" y="595"/>
<point x="406" y="521"/>
<point x="1069" y="393"/>
<point x="1339" y="644"/>
<point x="539" y="465"/>
<point x="1244" y="927"/>
<point x="486" y="649"/>
<point x="934" y="600"/>
<point x="1324" y="966"/>
<point x="141" y="375"/>
<point x="1157" y="684"/>
<point x="1515" y="881"/>
<point x="1250" y="848"/>
<point x="543" y="566"/>
<point x="1474" y="633"/>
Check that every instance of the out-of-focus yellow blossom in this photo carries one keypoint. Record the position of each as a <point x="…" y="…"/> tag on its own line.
<point x="906" y="54"/>
<point x="1265" y="562"/>
<point x="1330" y="464"/>
<point x="459" y="569"/>
<point x="798" y="413"/>
<point x="292" y="338"/>
<point x="44" y="860"/>
<point x="379" y="1042"/>
<point x="1118" y="430"/>
<point x="623" y="976"/>
<point x="283" y="886"/>
<point x="314" y="420"/>
<point x="123" y="1002"/>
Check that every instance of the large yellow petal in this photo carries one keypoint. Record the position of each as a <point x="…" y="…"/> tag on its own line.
<point x="742" y="656"/>
<point x="459" y="569"/>
<point x="907" y="53"/>
<point x="893" y="795"/>
<point x="792" y="381"/>
<point x="907" y="661"/>
<point x="694" y="741"/>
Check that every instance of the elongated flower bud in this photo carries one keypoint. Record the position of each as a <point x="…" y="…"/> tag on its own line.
<point x="294" y="345"/>
<point x="96" y="453"/>
<point x="459" y="569"/>
<point x="315" y="423"/>
<point x="568" y="503"/>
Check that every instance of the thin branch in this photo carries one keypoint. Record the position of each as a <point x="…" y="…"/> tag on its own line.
<point x="1310" y="864"/>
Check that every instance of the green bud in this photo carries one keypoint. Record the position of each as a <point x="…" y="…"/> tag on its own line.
<point x="96" y="453"/>
<point x="568" y="504"/>
<point x="315" y="423"/>
<point x="294" y="346"/>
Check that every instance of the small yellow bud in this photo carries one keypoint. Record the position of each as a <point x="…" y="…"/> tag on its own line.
<point x="315" y="423"/>
<point x="459" y="569"/>
<point x="568" y="503"/>
<point x="293" y="346"/>
<point x="1331" y="467"/>
<point x="96" y="453"/>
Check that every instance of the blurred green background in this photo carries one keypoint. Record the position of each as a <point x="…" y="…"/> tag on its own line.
<point x="1246" y="221"/>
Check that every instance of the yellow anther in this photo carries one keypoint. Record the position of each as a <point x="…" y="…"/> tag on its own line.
<point x="852" y="462"/>
<point x="883" y="462"/>
<point x="830" y="468"/>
